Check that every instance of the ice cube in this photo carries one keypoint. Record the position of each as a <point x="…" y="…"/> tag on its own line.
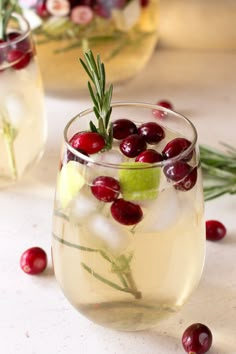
<point x="111" y="156"/>
<point x="83" y="206"/>
<point x="161" y="214"/>
<point x="108" y="233"/>
<point x="16" y="109"/>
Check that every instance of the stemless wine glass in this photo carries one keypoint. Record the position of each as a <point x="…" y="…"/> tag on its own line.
<point x="128" y="231"/>
<point x="22" y="111"/>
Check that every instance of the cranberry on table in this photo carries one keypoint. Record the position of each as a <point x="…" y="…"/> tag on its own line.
<point x="197" y="339"/>
<point x="152" y="132"/>
<point x="149" y="156"/>
<point x="175" y="147"/>
<point x="89" y="142"/>
<point x="105" y="188"/>
<point x="19" y="58"/>
<point x="133" y="145"/>
<point x="122" y="128"/>
<point x="33" y="260"/>
<point x="215" y="230"/>
<point x="125" y="212"/>
<point x="159" y="113"/>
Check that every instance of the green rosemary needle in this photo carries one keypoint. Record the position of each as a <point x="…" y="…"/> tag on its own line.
<point x="219" y="171"/>
<point x="7" y="7"/>
<point x="100" y="96"/>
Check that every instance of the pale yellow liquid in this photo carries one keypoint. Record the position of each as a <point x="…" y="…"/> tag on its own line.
<point x="168" y="248"/>
<point x="124" y="56"/>
<point x="22" y="131"/>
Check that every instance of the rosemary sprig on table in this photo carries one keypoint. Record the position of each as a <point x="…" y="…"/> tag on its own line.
<point x="219" y="171"/>
<point x="100" y="96"/>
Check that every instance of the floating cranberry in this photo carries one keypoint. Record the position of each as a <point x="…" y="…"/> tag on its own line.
<point x="72" y="157"/>
<point x="105" y="188"/>
<point x="122" y="128"/>
<point x="33" y="260"/>
<point x="19" y="58"/>
<point x="215" y="230"/>
<point x="197" y="339"/>
<point x="144" y="3"/>
<point x="152" y="132"/>
<point x="81" y="14"/>
<point x="89" y="142"/>
<point x="23" y="45"/>
<point x="133" y="145"/>
<point x="176" y="171"/>
<point x="159" y="113"/>
<point x="175" y="147"/>
<point x="188" y="182"/>
<point x="41" y="9"/>
<point x="149" y="156"/>
<point x="125" y="212"/>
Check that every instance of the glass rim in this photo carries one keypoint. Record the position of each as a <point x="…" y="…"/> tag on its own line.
<point x="22" y="35"/>
<point x="151" y="106"/>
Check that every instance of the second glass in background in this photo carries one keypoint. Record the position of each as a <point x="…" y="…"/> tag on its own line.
<point x="23" y="125"/>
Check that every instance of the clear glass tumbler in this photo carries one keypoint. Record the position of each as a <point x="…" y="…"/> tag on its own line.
<point x="23" y="126"/>
<point x="128" y="239"/>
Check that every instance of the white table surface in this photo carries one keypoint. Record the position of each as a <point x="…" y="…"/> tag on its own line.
<point x="35" y="318"/>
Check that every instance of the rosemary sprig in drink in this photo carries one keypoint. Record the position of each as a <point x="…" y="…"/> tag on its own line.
<point x="219" y="171"/>
<point x="100" y="96"/>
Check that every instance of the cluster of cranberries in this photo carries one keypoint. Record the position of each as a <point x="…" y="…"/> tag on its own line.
<point x="135" y="143"/>
<point x="80" y="11"/>
<point x="13" y="53"/>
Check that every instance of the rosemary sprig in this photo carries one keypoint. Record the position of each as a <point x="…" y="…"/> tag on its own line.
<point x="7" y="7"/>
<point x="100" y="96"/>
<point x="219" y="171"/>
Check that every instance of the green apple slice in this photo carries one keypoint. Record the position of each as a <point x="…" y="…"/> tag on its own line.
<point x="139" y="182"/>
<point x="70" y="181"/>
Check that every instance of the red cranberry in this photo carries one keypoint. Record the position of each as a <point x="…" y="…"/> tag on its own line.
<point x="144" y="3"/>
<point x="149" y="156"/>
<point x="89" y="142"/>
<point x="188" y="182"/>
<point x="176" y="171"/>
<point x="197" y="339"/>
<point x="72" y="157"/>
<point x="151" y="132"/>
<point x="33" y="260"/>
<point x="125" y="212"/>
<point x="23" y="45"/>
<point x="105" y="188"/>
<point x="133" y="145"/>
<point x="41" y="9"/>
<point x="123" y="128"/>
<point x="19" y="58"/>
<point x="159" y="113"/>
<point x="175" y="147"/>
<point x="215" y="230"/>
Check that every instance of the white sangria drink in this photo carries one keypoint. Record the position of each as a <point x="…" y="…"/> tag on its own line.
<point x="125" y="31"/>
<point x="128" y="228"/>
<point x="22" y="111"/>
